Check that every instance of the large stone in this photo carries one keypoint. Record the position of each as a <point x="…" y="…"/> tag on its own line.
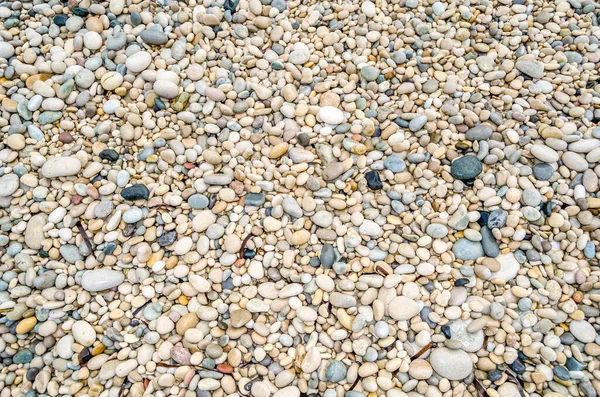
<point x="509" y="267"/>
<point x="466" y="168"/>
<point x="101" y="279"/>
<point x="532" y="69"/>
<point x="8" y="185"/>
<point x="479" y="132"/>
<point x="451" y="364"/>
<point x="34" y="234"/>
<point x="403" y="308"/>
<point x="61" y="166"/>
<point x="467" y="250"/>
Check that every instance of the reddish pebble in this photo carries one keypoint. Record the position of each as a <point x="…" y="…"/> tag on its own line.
<point x="180" y="355"/>
<point x="580" y="277"/>
<point x="92" y="192"/>
<point x="239" y="263"/>
<point x="76" y="199"/>
<point x="225" y="368"/>
<point x="237" y="186"/>
<point x="65" y="137"/>
<point x="189" y="166"/>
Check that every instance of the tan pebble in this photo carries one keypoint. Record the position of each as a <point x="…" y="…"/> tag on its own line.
<point x="26" y="325"/>
<point x="278" y="150"/>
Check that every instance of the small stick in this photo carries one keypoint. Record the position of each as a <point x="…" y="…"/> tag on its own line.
<point x="422" y="351"/>
<point x="480" y="388"/>
<point x="86" y="239"/>
<point x="241" y="253"/>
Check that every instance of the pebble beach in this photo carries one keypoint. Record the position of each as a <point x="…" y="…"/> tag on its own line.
<point x="285" y="198"/>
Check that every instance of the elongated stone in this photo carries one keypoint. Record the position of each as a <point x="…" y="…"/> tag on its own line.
<point x="101" y="279"/>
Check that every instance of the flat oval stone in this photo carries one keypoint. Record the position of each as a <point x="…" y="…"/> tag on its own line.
<point x="331" y="115"/>
<point x="61" y="166"/>
<point x="153" y="36"/>
<point x="451" y="364"/>
<point x="101" y="279"/>
<point x="138" y="62"/>
<point x="544" y="153"/>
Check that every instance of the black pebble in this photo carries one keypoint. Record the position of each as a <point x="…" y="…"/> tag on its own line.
<point x="60" y="20"/>
<point x="80" y="12"/>
<point x="483" y="218"/>
<point x="135" y="192"/>
<point x="109" y="154"/>
<point x="373" y="180"/>
<point x="461" y="282"/>
<point x="32" y="373"/>
<point x="249" y="254"/>
<point x="446" y="331"/>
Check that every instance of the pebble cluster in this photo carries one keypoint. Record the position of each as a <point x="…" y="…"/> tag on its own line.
<point x="299" y="198"/>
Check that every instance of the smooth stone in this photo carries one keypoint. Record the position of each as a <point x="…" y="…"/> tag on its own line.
<point x="166" y="89"/>
<point x="497" y="219"/>
<point x="373" y="180"/>
<point x="61" y="166"/>
<point x="167" y="238"/>
<point x="336" y="371"/>
<point x="254" y="199"/>
<point x="23" y="356"/>
<point x="394" y="163"/>
<point x="34" y="234"/>
<point x="583" y="331"/>
<point x="133" y="215"/>
<point x="138" y="62"/>
<point x="534" y="69"/>
<point x="153" y="36"/>
<point x="83" y="333"/>
<point x="135" y="192"/>
<point x="291" y="207"/>
<point x="544" y="153"/>
<point x="6" y="50"/>
<point x="369" y="73"/>
<point x="198" y="201"/>
<point x="8" y="185"/>
<point x="403" y="308"/>
<point x="417" y="123"/>
<point x="328" y="256"/>
<point x="451" y="364"/>
<point x="466" y="168"/>
<point x="489" y="243"/>
<point x="543" y="171"/>
<point x="331" y="115"/>
<point x="240" y="317"/>
<point x="101" y="279"/>
<point x="480" y="132"/>
<point x="467" y="250"/>
<point x="471" y="341"/>
<point x="509" y="267"/>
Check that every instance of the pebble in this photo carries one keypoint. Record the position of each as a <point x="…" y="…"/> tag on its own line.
<point x="61" y="166"/>
<point x="466" y="168"/>
<point x="451" y="364"/>
<point x="101" y="279"/>
<point x="467" y="250"/>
